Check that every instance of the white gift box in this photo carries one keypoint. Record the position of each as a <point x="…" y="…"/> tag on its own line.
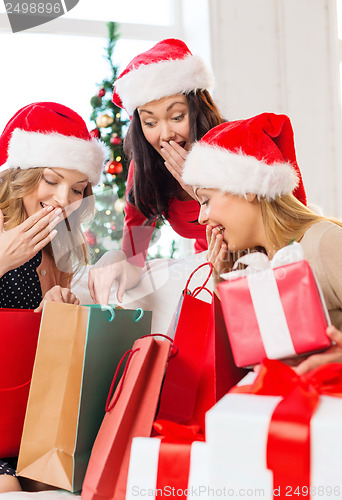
<point x="143" y="470"/>
<point x="237" y="431"/>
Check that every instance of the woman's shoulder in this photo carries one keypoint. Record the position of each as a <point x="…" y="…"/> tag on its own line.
<point x="323" y="241"/>
<point x="324" y="229"/>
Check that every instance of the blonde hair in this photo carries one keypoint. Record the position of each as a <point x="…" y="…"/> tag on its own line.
<point x="286" y="219"/>
<point x="15" y="184"/>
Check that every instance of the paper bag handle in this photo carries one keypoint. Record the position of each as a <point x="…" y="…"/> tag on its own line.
<point x="111" y="310"/>
<point x="199" y="289"/>
<point x="129" y="353"/>
<point x="174" y="349"/>
<point x="202" y="287"/>
<point x="157" y="335"/>
<point x="5" y="389"/>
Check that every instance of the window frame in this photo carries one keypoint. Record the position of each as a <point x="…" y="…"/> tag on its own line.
<point x="85" y="27"/>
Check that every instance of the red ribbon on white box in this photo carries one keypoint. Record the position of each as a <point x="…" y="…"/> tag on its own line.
<point x="289" y="453"/>
<point x="173" y="462"/>
<point x="266" y="299"/>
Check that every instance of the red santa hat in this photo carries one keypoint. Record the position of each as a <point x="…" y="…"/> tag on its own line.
<point x="255" y="156"/>
<point x="166" y="69"/>
<point x="47" y="134"/>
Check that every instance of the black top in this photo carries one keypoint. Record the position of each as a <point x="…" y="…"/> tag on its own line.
<point x="20" y="288"/>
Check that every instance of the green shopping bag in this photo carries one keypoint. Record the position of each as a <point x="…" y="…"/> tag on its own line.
<point x="79" y="348"/>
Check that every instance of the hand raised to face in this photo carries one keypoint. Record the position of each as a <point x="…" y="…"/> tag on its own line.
<point x="218" y="254"/>
<point x="174" y="155"/>
<point x="20" y="244"/>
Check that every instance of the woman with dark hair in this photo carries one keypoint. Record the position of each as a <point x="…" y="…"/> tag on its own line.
<point x="164" y="90"/>
<point x="155" y="186"/>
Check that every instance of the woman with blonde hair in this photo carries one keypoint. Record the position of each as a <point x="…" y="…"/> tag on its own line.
<point x="247" y="202"/>
<point x="36" y="233"/>
<point x="48" y="164"/>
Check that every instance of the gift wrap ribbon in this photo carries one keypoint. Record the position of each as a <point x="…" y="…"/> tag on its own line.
<point x="174" y="453"/>
<point x="288" y="445"/>
<point x="267" y="304"/>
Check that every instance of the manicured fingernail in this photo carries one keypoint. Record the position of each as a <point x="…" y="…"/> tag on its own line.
<point x="48" y="209"/>
<point x="58" y="211"/>
<point x="55" y="220"/>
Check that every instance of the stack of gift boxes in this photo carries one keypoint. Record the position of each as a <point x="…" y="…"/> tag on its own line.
<point x="276" y="434"/>
<point x="280" y="435"/>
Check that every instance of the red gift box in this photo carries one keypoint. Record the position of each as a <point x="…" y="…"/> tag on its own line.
<point x="274" y="313"/>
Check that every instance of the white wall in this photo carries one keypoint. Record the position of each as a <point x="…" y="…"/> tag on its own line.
<point x="267" y="55"/>
<point x="280" y="56"/>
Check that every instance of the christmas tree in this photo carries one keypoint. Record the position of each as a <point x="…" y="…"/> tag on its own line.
<point x="105" y="231"/>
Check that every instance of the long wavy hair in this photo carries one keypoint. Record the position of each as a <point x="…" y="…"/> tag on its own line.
<point x="153" y="185"/>
<point x="286" y="219"/>
<point x="69" y="247"/>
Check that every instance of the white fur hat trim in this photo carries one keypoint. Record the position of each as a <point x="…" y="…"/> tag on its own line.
<point x="151" y="82"/>
<point x="236" y="173"/>
<point x="33" y="149"/>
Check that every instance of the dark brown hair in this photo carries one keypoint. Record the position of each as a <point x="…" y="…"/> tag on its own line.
<point x="153" y="185"/>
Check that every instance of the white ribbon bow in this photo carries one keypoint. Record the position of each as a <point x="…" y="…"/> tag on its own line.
<point x="258" y="261"/>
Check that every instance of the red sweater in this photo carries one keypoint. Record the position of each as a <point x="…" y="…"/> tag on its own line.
<point x="136" y="236"/>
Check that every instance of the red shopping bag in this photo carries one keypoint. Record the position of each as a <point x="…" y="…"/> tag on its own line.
<point x="19" y="329"/>
<point x="219" y="372"/>
<point x="203" y="370"/>
<point x="189" y="328"/>
<point x="130" y="413"/>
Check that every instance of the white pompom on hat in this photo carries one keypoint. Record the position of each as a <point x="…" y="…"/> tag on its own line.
<point x="166" y="69"/>
<point x="48" y="134"/>
<point x="255" y="156"/>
